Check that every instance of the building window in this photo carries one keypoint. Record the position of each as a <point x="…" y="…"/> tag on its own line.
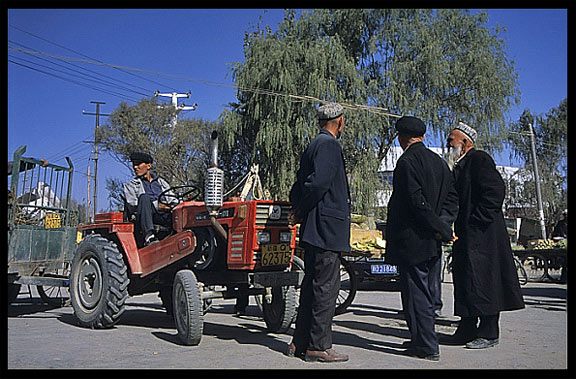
<point x="386" y="178"/>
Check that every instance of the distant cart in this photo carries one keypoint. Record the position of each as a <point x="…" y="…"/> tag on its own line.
<point x="41" y="233"/>
<point x="544" y="264"/>
<point x="348" y="278"/>
<point x="357" y="266"/>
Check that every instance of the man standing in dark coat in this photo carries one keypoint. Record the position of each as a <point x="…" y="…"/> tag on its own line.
<point x="483" y="271"/>
<point x="321" y="202"/>
<point x="421" y="211"/>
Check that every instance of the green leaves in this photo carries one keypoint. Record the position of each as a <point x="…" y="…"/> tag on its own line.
<point x="442" y="66"/>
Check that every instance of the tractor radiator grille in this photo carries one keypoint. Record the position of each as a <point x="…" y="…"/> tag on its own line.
<point x="263" y="211"/>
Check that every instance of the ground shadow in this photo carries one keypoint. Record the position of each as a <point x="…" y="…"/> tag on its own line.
<point x="20" y="308"/>
<point x="376" y="285"/>
<point x="552" y="292"/>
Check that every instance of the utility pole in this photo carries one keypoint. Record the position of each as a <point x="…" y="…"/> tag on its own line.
<point x="537" y="182"/>
<point x="97" y="114"/>
<point x="88" y="216"/>
<point x="174" y="96"/>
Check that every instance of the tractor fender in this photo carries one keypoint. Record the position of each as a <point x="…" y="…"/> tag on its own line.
<point x="125" y="234"/>
<point x="128" y="243"/>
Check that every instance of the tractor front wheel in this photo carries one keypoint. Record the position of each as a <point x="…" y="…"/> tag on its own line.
<point x="188" y="307"/>
<point x="281" y="311"/>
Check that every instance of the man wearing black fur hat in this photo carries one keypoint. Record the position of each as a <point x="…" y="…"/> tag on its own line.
<point x="142" y="197"/>
<point x="421" y="210"/>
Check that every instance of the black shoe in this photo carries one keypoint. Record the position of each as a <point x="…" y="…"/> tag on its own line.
<point x="455" y="340"/>
<point x="150" y="240"/>
<point x="435" y="357"/>
<point x="482" y="343"/>
<point x="240" y="311"/>
<point x="292" y="351"/>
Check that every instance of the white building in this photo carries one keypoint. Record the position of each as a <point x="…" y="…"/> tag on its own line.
<point x="386" y="171"/>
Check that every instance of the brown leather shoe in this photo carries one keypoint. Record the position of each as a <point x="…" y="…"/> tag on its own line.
<point x="328" y="355"/>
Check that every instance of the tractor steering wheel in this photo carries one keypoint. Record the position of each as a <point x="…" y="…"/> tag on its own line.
<point x="186" y="192"/>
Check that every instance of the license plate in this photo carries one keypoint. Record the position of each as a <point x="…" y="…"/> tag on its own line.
<point x="52" y="221"/>
<point x="276" y="254"/>
<point x="383" y="269"/>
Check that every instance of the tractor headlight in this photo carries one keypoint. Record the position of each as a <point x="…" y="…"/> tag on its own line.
<point x="263" y="237"/>
<point x="286" y="237"/>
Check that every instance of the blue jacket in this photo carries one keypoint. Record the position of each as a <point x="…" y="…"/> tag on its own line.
<point x="321" y="197"/>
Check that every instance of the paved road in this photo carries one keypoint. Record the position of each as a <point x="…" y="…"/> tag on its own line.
<point x="371" y="333"/>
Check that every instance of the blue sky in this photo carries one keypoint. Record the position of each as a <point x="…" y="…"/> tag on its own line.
<point x="191" y="49"/>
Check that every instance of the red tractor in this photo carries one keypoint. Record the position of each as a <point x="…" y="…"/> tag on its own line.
<point x="215" y="249"/>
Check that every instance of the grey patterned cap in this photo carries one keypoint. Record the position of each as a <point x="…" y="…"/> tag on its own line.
<point x="329" y="111"/>
<point x="467" y="130"/>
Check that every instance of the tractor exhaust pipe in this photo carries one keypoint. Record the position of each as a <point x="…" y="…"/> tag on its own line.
<point x="214" y="187"/>
<point x="214" y="149"/>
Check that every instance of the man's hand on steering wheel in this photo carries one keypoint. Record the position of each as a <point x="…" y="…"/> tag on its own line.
<point x="165" y="207"/>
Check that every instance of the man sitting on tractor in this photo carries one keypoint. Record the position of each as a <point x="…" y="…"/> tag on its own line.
<point x="141" y="196"/>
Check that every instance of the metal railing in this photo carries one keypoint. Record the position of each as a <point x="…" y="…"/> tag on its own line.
<point x="39" y="192"/>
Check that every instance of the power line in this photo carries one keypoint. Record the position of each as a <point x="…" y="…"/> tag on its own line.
<point x="121" y="96"/>
<point x="91" y="71"/>
<point x="261" y="91"/>
<point x="82" y="76"/>
<point x="81" y="54"/>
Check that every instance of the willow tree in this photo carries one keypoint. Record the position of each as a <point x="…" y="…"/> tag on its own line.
<point x="442" y="66"/>
<point x="274" y="119"/>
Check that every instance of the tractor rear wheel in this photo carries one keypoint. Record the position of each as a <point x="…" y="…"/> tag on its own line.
<point x="188" y="307"/>
<point x="98" y="282"/>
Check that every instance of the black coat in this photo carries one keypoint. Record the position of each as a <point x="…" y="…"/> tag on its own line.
<point x="423" y="203"/>
<point x="484" y="273"/>
<point x="320" y="196"/>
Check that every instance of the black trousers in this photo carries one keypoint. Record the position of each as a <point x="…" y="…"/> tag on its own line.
<point x="147" y="215"/>
<point x="318" y="295"/>
<point x="487" y="328"/>
<point x="436" y="283"/>
<point x="418" y="284"/>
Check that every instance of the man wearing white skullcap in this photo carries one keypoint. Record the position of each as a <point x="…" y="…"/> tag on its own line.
<point x="483" y="270"/>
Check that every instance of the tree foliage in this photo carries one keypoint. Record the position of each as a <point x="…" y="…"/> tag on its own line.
<point x="442" y="66"/>
<point x="180" y="152"/>
<point x="551" y="145"/>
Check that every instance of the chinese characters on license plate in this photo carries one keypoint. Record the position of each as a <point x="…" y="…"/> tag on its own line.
<point x="276" y="254"/>
<point x="383" y="269"/>
<point x="52" y="220"/>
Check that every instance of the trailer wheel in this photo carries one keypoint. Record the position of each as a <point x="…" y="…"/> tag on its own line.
<point x="98" y="282"/>
<point x="188" y="307"/>
<point x="53" y="295"/>
<point x="56" y="296"/>
<point x="279" y="314"/>
<point x="348" y="287"/>
<point x="536" y="267"/>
